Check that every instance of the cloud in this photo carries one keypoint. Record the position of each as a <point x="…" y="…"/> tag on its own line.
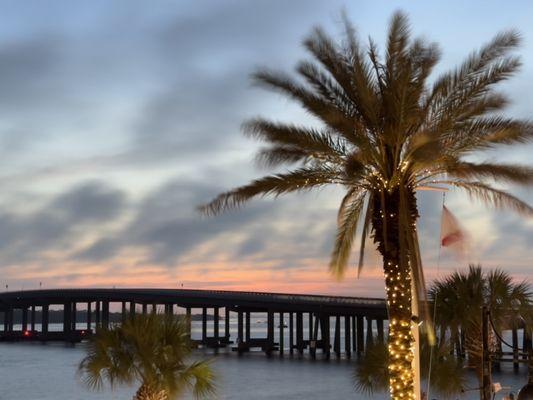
<point x="136" y="90"/>
<point x="91" y="201"/>
<point x="168" y="225"/>
<point x="24" y="69"/>
<point x="101" y="250"/>
<point x="59" y="224"/>
<point x="192" y="121"/>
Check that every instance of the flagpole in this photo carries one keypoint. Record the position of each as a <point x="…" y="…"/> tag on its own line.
<point x="415" y="323"/>
<point x="435" y="299"/>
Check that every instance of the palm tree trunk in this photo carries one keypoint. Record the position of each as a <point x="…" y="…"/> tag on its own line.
<point x="386" y="234"/>
<point x="148" y="392"/>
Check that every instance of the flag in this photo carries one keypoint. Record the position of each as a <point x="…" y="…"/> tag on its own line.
<point x="452" y="235"/>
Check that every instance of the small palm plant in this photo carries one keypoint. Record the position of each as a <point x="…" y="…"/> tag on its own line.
<point x="152" y="350"/>
<point x="459" y="299"/>
<point x="386" y="131"/>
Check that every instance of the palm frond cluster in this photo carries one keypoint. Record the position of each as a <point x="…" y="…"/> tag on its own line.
<point x="384" y="125"/>
<point x="459" y="299"/>
<point x="152" y="350"/>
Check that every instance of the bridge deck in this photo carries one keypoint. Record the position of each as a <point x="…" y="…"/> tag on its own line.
<point x="199" y="298"/>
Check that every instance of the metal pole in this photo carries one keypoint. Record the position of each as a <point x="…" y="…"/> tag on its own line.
<point x="226" y="323"/>
<point x="485" y="361"/>
<point x="281" y="341"/>
<point x="291" y="333"/>
<point x="204" y="325"/>
<point x="44" y="318"/>
<point x="74" y="315"/>
<point x="270" y="333"/>
<point x="310" y="333"/>
<point x="515" y="346"/>
<point x="337" y="339"/>
<point x="240" y="330"/>
<point x="347" y="336"/>
<point x="248" y="326"/>
<point x="32" y="318"/>
<point x="360" y="335"/>
<point x="300" y="332"/>
<point x="89" y="312"/>
<point x="124" y="312"/>
<point x="189" y="323"/>
<point x="216" y="324"/>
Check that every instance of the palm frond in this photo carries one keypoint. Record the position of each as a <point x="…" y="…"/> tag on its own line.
<point x="314" y="103"/>
<point x="300" y="179"/>
<point x="367" y="226"/>
<point x="347" y="221"/>
<point x="106" y="360"/>
<point x="492" y="196"/>
<point x="447" y="374"/>
<point x="364" y="89"/>
<point x="481" y="106"/>
<point x="465" y="92"/>
<point x="481" y="69"/>
<point x="487" y="132"/>
<point x="200" y="378"/>
<point x="460" y="138"/>
<point x="309" y="140"/>
<point x="424" y="57"/>
<point x="274" y="156"/>
<point x="520" y="174"/>
<point x="397" y="42"/>
<point x="356" y="168"/>
<point x="371" y="374"/>
<point x="377" y="68"/>
<point x="328" y="53"/>
<point x="329" y="89"/>
<point x="348" y="69"/>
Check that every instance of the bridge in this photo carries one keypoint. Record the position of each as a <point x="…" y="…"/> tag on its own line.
<point x="333" y="321"/>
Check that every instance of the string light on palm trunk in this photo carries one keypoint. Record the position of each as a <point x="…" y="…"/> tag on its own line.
<point x="401" y="343"/>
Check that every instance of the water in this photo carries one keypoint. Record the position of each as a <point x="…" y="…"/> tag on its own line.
<point x="47" y="372"/>
<point x="33" y="371"/>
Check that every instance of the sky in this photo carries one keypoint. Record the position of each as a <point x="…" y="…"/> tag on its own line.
<point x="118" y="118"/>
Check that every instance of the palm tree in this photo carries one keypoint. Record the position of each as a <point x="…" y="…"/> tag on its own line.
<point x="386" y="132"/>
<point x="149" y="349"/>
<point x="459" y="299"/>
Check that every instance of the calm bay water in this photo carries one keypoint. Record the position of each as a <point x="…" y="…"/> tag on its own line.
<point x="33" y="371"/>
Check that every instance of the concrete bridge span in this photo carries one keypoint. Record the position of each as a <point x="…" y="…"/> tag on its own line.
<point x="25" y="315"/>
